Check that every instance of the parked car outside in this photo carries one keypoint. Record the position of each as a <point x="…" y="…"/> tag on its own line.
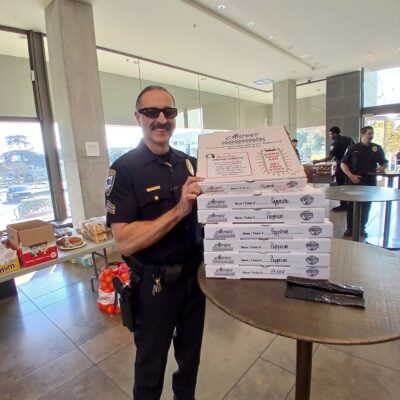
<point x="18" y="192"/>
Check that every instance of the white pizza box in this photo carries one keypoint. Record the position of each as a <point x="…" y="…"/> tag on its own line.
<point x="264" y="153"/>
<point x="236" y="272"/>
<point x="310" y="245"/>
<point x="251" y="186"/>
<point x="266" y="260"/>
<point x="296" y="198"/>
<point x="277" y="216"/>
<point x="268" y="231"/>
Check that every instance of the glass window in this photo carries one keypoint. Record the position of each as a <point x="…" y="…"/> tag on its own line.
<point x="16" y="94"/>
<point x="24" y="185"/>
<point x="387" y="134"/>
<point x="311" y="143"/>
<point x="381" y="87"/>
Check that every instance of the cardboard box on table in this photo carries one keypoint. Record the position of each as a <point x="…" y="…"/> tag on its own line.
<point x="248" y="160"/>
<point x="249" y="272"/>
<point x="268" y="231"/>
<point x="307" y="197"/>
<point x="34" y="241"/>
<point x="310" y="245"/>
<point x="278" y="216"/>
<point x="267" y="260"/>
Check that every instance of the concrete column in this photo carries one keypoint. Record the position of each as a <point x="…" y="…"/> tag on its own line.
<point x="284" y="105"/>
<point x="343" y="102"/>
<point x="78" y="103"/>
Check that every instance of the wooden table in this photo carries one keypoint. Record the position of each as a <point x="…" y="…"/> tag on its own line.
<point x="387" y="241"/>
<point x="262" y="304"/>
<point x="358" y="194"/>
<point x="63" y="256"/>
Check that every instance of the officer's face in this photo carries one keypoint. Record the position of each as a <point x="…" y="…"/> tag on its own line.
<point x="156" y="131"/>
<point x="367" y="137"/>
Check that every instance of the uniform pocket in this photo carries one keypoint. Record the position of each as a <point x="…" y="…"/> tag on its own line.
<point x="153" y="204"/>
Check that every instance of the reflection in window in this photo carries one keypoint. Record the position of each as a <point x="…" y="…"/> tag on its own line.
<point x="311" y="143"/>
<point x="24" y="185"/>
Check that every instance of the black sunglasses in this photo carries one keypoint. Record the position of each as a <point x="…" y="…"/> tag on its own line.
<point x="153" y="112"/>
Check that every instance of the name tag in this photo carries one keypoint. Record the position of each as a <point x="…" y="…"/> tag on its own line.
<point x="153" y="188"/>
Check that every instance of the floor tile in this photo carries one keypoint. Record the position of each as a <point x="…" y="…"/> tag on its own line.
<point x="263" y="381"/>
<point x="119" y="367"/>
<point x="282" y="352"/>
<point x="28" y="343"/>
<point x="386" y="354"/>
<point x="11" y="308"/>
<point x="339" y="376"/>
<point x="53" y="278"/>
<point x="62" y="293"/>
<point x="47" y="378"/>
<point x="107" y="343"/>
<point x="230" y="347"/>
<point x="79" y="317"/>
<point x="91" y="385"/>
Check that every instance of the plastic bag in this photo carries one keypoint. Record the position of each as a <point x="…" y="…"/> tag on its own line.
<point x="108" y="299"/>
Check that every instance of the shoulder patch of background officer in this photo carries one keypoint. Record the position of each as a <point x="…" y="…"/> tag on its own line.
<point x="110" y="181"/>
<point x="374" y="149"/>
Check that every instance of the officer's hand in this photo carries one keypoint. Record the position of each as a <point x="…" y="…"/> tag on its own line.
<point x="381" y="168"/>
<point x="190" y="191"/>
<point x="356" y="179"/>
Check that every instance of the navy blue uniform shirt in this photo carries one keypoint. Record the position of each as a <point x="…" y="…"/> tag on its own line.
<point x="339" y="147"/>
<point x="142" y="186"/>
<point x="362" y="159"/>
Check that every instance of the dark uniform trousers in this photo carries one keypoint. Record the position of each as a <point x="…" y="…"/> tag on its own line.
<point x="175" y="314"/>
<point x="365" y="207"/>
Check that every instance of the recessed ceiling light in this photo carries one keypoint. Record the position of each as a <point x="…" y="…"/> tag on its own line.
<point x="398" y="48"/>
<point x="250" y="24"/>
<point x="264" y="81"/>
<point x="304" y="56"/>
<point x="221" y="7"/>
<point x="272" y="37"/>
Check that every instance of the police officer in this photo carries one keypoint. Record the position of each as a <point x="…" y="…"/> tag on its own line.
<point x="337" y="149"/>
<point x="150" y="198"/>
<point x="358" y="161"/>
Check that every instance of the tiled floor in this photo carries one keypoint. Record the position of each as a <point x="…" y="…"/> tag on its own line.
<point x="55" y="344"/>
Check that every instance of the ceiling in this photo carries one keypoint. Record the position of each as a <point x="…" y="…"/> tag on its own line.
<point x="305" y="40"/>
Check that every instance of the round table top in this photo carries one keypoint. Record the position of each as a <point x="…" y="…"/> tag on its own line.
<point x="262" y="303"/>
<point x="361" y="193"/>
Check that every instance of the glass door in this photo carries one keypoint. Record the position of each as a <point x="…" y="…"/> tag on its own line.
<point x="387" y="134"/>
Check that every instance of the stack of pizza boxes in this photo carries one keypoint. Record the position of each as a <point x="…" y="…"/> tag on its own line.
<point x="261" y="219"/>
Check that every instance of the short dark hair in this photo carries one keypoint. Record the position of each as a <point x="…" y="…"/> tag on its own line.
<point x="364" y="130"/>
<point x="335" y="129"/>
<point x="294" y="140"/>
<point x="149" y="89"/>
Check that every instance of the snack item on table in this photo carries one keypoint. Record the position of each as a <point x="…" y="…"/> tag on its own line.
<point x="61" y="232"/>
<point x="70" y="242"/>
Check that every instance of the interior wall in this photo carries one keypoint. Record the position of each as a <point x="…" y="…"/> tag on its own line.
<point x="16" y="94"/>
<point x="311" y="111"/>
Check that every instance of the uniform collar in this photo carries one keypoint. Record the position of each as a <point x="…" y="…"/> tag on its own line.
<point x="146" y="156"/>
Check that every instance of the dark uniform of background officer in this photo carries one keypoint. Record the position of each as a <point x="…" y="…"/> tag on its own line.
<point x="337" y="149"/>
<point x="150" y="198"/>
<point x="359" y="159"/>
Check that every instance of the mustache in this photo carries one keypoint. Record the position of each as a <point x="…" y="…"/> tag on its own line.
<point x="166" y="126"/>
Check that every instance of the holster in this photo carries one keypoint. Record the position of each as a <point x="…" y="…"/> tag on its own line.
<point x="129" y="298"/>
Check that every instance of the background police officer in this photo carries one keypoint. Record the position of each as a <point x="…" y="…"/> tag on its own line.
<point x="358" y="161"/>
<point x="337" y="149"/>
<point x="150" y="198"/>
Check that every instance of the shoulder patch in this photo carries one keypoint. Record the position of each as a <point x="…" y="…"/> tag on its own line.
<point x="110" y="181"/>
<point x="374" y="149"/>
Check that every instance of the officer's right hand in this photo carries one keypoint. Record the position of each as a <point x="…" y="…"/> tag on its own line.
<point x="356" y="179"/>
<point x="190" y="191"/>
